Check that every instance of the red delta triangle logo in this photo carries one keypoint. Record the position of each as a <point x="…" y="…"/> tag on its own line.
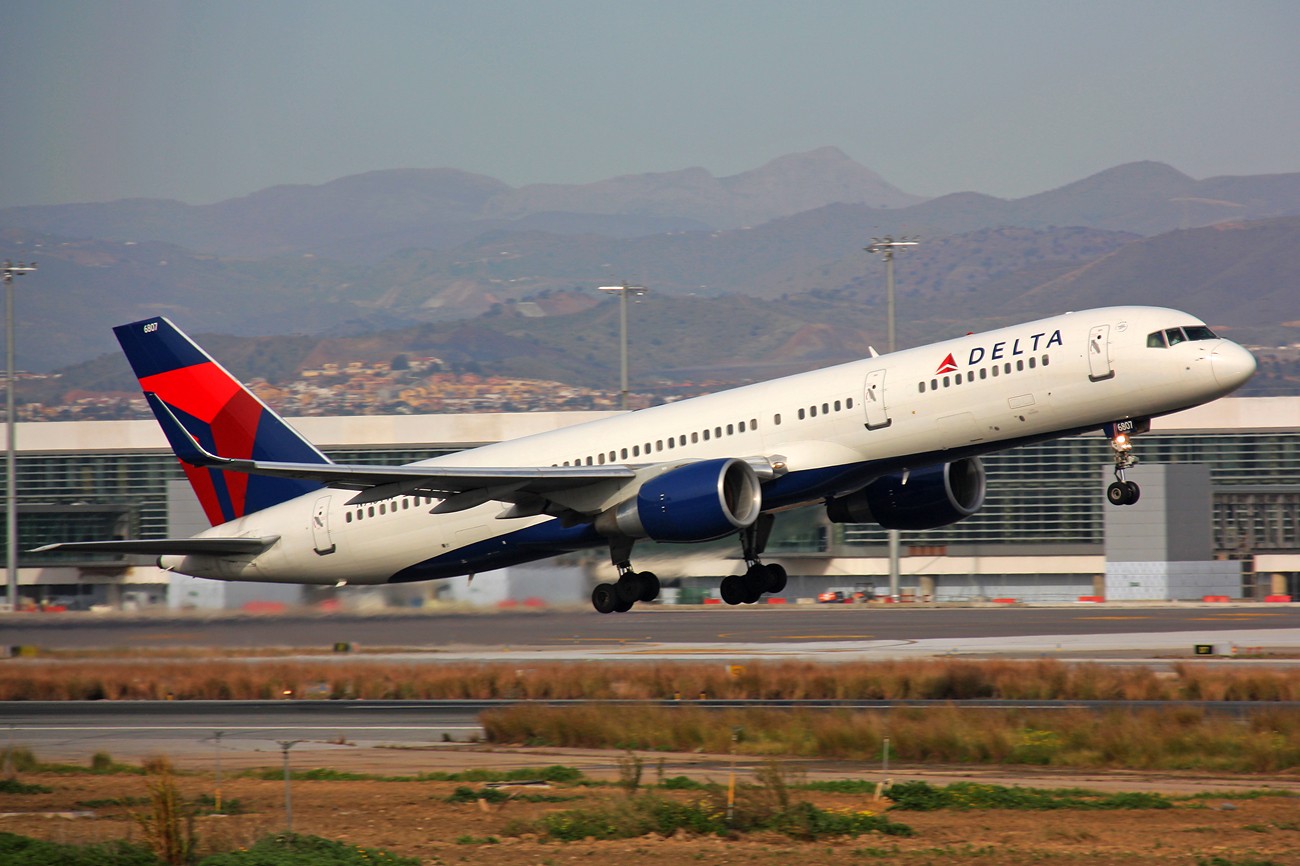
<point x="948" y="365"/>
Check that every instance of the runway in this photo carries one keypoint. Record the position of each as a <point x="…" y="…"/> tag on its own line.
<point x="830" y="632"/>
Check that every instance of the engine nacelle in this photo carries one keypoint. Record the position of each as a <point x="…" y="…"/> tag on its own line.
<point x="695" y="502"/>
<point x="921" y="499"/>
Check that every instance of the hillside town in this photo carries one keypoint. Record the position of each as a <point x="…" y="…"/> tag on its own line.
<point x="403" y="386"/>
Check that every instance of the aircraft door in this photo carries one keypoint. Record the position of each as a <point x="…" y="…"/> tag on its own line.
<point x="320" y="527"/>
<point x="1099" y="364"/>
<point x="873" y="398"/>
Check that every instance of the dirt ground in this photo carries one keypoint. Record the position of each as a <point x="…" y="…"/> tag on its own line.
<point x="414" y="819"/>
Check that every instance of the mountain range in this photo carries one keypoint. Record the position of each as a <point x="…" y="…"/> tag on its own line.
<point x="761" y="269"/>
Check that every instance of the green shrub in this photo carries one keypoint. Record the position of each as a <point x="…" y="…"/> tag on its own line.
<point x="960" y="796"/>
<point x="291" y="849"/>
<point x="21" y="851"/>
<point x="13" y="786"/>
<point x="465" y="794"/>
<point x="682" y="783"/>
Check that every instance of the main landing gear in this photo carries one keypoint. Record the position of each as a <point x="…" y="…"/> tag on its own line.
<point x="758" y="578"/>
<point x="1122" y="491"/>
<point x="632" y="585"/>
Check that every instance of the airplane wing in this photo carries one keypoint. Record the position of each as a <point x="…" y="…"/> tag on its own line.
<point x="462" y="486"/>
<point x="168" y="546"/>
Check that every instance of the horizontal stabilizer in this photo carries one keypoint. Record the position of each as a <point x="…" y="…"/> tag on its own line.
<point x="168" y="546"/>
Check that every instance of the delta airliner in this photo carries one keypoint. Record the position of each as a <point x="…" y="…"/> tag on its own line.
<point x="892" y="439"/>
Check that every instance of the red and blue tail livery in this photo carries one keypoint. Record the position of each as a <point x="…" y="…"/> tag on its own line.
<point x="221" y="414"/>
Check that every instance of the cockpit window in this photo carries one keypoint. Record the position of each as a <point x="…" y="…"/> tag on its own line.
<point x="1174" y="336"/>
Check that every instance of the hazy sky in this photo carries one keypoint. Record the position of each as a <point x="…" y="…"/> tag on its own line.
<point x="203" y="101"/>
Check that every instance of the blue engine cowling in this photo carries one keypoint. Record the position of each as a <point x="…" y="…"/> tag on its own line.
<point x="921" y="499"/>
<point x="695" y="502"/>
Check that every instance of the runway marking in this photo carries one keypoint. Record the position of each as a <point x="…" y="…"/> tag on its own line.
<point x="1234" y="615"/>
<point x="826" y="637"/>
<point x="1115" y="617"/>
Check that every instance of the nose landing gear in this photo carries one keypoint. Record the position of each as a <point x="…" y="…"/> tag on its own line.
<point x="1122" y="491"/>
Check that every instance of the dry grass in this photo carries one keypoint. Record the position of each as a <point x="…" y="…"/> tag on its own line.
<point x="1179" y="739"/>
<point x="133" y="679"/>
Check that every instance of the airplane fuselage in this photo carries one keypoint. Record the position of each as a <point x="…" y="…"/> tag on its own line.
<point x="816" y="435"/>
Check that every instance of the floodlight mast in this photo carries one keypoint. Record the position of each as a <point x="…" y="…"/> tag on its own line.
<point x="11" y="270"/>
<point x="885" y="247"/>
<point x="623" y="291"/>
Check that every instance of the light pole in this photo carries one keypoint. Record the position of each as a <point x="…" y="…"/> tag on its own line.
<point x="285" y="746"/>
<point x="11" y="459"/>
<point x="885" y="247"/>
<point x="623" y="291"/>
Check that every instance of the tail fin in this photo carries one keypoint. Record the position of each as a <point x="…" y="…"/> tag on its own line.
<point x="221" y="414"/>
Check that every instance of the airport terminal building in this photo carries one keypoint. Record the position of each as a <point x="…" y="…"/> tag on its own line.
<point x="1220" y="514"/>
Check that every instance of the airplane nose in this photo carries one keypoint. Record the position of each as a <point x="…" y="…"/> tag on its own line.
<point x="1232" y="364"/>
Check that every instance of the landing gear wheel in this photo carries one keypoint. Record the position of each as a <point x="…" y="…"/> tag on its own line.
<point x="754" y="582"/>
<point x="733" y="589"/>
<point x="776" y="579"/>
<point x="1117" y="493"/>
<point x="1134" y="492"/>
<point x="604" y="599"/>
<point x="630" y="587"/>
<point x="623" y="606"/>
<point x="650" y="586"/>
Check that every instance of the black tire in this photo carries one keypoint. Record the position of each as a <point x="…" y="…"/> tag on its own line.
<point x="630" y="586"/>
<point x="650" y="586"/>
<point x="603" y="598"/>
<point x="776" y="579"/>
<point x="1134" y="493"/>
<point x="733" y="589"/>
<point x="623" y="606"/>
<point x="1117" y="493"/>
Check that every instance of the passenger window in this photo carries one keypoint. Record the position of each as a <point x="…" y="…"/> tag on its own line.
<point x="1020" y="366"/>
<point x="753" y="423"/>
<point x="996" y="371"/>
<point x="1006" y="368"/>
<point x="636" y="450"/>
<point x="695" y="437"/>
<point x="347" y="518"/>
<point x="837" y="405"/>
<point x="802" y="413"/>
<point x="1045" y="358"/>
<point x="934" y="384"/>
<point x="920" y="387"/>
<point x="672" y="443"/>
<point x="659" y="444"/>
<point x="1032" y="363"/>
<point x="1156" y="340"/>
<point x="776" y="420"/>
<point x="706" y="435"/>
<point x="813" y="411"/>
<point x="1175" y="335"/>
<point x="946" y="382"/>
<point x="600" y="458"/>
<point x="826" y="408"/>
<point x="984" y="373"/>
<point x="717" y="432"/>
<point x="371" y="509"/>
<point x="848" y="404"/>
<point x="681" y="440"/>
<point x="623" y="453"/>
<point x="729" y="430"/>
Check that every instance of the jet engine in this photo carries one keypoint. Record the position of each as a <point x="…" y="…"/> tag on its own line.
<point x="694" y="502"/>
<point x="923" y="498"/>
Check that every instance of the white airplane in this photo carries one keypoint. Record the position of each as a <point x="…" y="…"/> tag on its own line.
<point x="892" y="439"/>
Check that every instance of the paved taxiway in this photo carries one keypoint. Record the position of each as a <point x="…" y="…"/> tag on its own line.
<point x="823" y="632"/>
